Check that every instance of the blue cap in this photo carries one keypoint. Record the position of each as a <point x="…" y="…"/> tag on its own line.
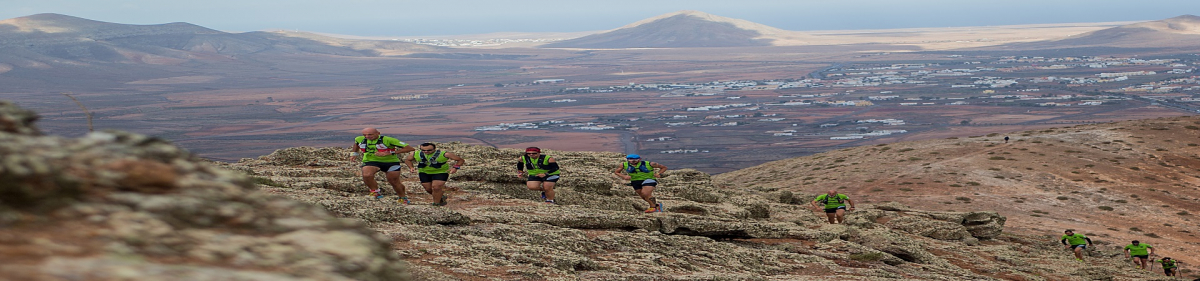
<point x="633" y="156"/>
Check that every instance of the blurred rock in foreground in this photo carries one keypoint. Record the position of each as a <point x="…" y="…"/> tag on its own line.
<point x="121" y="206"/>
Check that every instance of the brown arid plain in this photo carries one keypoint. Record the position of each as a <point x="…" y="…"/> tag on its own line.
<point x="240" y="108"/>
<point x="236" y="106"/>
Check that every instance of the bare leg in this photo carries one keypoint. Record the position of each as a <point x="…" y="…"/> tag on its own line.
<point x="393" y="178"/>
<point x="832" y="217"/>
<point x="428" y="187"/>
<point x="439" y="188"/>
<point x="647" y="194"/>
<point x="368" y="176"/>
<point x="1078" y="253"/>
<point x="548" y="187"/>
<point x="841" y="215"/>
<point x="534" y="185"/>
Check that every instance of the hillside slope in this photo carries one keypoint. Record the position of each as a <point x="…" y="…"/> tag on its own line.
<point x="1182" y="32"/>
<point x="495" y="229"/>
<point x="1133" y="180"/>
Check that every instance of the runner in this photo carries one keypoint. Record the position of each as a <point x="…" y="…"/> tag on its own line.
<point x="835" y="206"/>
<point x="1078" y="243"/>
<point x="1169" y="265"/>
<point x="642" y="177"/>
<point x="379" y="153"/>
<point x="434" y="170"/>
<point x="542" y="175"/>
<point x="1138" y="251"/>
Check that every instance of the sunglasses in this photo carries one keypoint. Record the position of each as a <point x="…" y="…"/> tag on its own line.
<point x="430" y="150"/>
<point x="531" y="153"/>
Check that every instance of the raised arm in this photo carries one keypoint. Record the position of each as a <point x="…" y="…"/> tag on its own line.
<point x="458" y="161"/>
<point x="619" y="172"/>
<point x="551" y="166"/>
<point x="354" y="151"/>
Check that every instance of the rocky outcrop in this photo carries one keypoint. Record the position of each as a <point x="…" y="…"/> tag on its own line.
<point x="16" y="120"/>
<point x="982" y="225"/>
<point x="121" y="206"/>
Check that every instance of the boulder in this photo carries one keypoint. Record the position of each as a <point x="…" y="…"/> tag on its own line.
<point x="122" y="206"/>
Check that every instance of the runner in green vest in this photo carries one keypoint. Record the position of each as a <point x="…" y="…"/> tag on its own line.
<point x="543" y="172"/>
<point x="434" y="170"/>
<point x="1169" y="265"/>
<point x="379" y="153"/>
<point x="1076" y="243"/>
<point x="642" y="176"/>
<point x="834" y="205"/>
<point x="1138" y="251"/>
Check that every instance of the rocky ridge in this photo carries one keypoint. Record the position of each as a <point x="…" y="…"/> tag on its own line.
<point x="121" y="206"/>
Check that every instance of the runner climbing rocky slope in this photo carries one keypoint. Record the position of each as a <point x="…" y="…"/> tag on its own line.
<point x="98" y="208"/>
<point x="747" y="225"/>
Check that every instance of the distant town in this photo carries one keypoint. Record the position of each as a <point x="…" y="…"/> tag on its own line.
<point x="1002" y="81"/>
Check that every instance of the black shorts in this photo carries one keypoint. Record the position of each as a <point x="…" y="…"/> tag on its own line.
<point x="385" y="166"/>
<point x="1081" y="246"/>
<point x="433" y="177"/>
<point x="1169" y="271"/>
<point x="637" y="185"/>
<point x="550" y="178"/>
<point x="1142" y="256"/>
<point x="834" y="210"/>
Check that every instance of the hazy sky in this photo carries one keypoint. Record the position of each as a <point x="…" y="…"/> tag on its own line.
<point x="450" y="17"/>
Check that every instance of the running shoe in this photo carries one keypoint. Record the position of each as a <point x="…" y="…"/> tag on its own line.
<point x="377" y="194"/>
<point x="403" y="200"/>
<point x="659" y="208"/>
<point x="652" y="210"/>
<point x="551" y="202"/>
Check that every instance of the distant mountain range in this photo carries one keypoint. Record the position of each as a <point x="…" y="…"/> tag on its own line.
<point x="680" y="30"/>
<point x="46" y="38"/>
<point x="1176" y="32"/>
<point x="690" y="29"/>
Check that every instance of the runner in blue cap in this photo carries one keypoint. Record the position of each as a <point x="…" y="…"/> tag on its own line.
<point x="642" y="177"/>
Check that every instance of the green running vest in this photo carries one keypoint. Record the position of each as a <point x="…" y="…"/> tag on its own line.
<point x="642" y="172"/>
<point x="535" y="168"/>
<point x="432" y="165"/>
